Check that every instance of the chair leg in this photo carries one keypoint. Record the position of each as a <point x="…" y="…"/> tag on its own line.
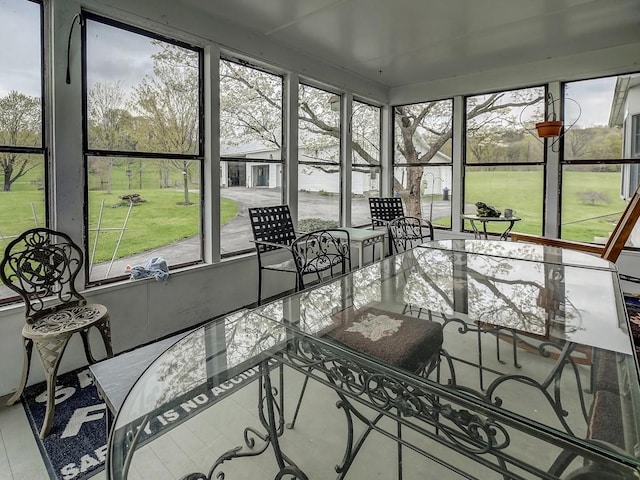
<point x="259" y="286"/>
<point x="105" y="331"/>
<point x="50" y="351"/>
<point x="27" y="344"/>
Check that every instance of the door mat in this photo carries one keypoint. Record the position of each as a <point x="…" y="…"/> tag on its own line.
<point x="76" y="446"/>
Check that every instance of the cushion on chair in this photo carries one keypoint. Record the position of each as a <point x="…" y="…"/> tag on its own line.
<point x="399" y="340"/>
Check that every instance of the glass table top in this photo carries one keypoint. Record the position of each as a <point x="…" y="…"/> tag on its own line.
<point x="554" y="319"/>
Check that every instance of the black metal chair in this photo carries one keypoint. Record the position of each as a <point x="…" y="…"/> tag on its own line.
<point x="408" y="232"/>
<point x="322" y="253"/>
<point x="273" y="231"/>
<point x="41" y="265"/>
<point x="383" y="210"/>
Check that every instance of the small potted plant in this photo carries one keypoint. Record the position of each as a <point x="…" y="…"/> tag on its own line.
<point x="550" y="127"/>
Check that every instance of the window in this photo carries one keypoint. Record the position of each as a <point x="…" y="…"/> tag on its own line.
<point x="599" y="171"/>
<point x="504" y="158"/>
<point x="22" y="140"/>
<point x="251" y="139"/>
<point x="319" y="185"/>
<point x="365" y="160"/>
<point x="143" y="148"/>
<point x="423" y="135"/>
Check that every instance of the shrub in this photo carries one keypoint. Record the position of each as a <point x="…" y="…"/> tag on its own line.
<point x="591" y="197"/>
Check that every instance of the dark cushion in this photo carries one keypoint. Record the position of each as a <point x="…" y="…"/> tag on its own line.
<point x="399" y="340"/>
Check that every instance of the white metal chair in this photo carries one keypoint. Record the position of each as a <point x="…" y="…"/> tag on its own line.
<point x="41" y="265"/>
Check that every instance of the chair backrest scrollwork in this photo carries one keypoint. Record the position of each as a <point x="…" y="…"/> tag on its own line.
<point x="325" y="253"/>
<point x="40" y="264"/>
<point x="408" y="232"/>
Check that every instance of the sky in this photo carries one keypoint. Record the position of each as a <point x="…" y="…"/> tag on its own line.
<point x="126" y="57"/>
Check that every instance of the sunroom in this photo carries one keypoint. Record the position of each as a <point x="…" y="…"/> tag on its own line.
<point x="148" y="129"/>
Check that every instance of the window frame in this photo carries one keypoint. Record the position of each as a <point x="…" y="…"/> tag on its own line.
<point x="87" y="152"/>
<point x="466" y="164"/>
<point x="403" y="164"/>
<point x="340" y="164"/>
<point x="42" y="149"/>
<point x="562" y="162"/>
<point x="225" y="57"/>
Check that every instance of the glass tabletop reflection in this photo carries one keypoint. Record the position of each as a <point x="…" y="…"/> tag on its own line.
<point x="521" y="337"/>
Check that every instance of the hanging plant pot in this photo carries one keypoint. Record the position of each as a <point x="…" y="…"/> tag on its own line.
<point x="549" y="128"/>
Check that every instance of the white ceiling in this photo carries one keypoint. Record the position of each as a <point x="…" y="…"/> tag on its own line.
<point x="405" y="42"/>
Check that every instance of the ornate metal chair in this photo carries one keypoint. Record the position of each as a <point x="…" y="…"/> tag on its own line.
<point x="408" y="232"/>
<point x="41" y="265"/>
<point x="272" y="231"/>
<point x="322" y="253"/>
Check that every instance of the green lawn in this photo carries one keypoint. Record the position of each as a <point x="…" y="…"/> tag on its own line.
<point x="159" y="221"/>
<point x="582" y="219"/>
<point x="591" y="206"/>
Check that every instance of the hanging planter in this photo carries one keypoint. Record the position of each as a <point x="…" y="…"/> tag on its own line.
<point x="550" y="128"/>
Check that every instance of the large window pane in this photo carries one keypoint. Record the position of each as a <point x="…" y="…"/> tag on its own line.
<point x="499" y="127"/>
<point x="365" y="158"/>
<point x="365" y="183"/>
<point x="22" y="165"/>
<point x="516" y="187"/>
<point x="319" y="169"/>
<point x="435" y="193"/>
<point x="422" y="156"/>
<point x="143" y="211"/>
<point x="504" y="158"/>
<point x="599" y="124"/>
<point x="251" y="149"/>
<point x="591" y="201"/>
<point x="144" y="149"/>
<point x="143" y="93"/>
<point x="590" y="135"/>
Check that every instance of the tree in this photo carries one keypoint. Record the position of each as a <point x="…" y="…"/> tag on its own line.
<point x="20" y="125"/>
<point x="169" y="101"/>
<point x="110" y="126"/>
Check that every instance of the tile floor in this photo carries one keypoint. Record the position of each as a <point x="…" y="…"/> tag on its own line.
<point x="192" y="446"/>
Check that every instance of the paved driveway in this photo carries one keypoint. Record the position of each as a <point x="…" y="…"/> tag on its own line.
<point x="237" y="235"/>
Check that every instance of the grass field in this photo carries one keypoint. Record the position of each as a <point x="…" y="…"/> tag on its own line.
<point x="521" y="191"/>
<point x="160" y="220"/>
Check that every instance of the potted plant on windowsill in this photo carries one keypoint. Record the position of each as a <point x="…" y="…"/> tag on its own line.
<point x="550" y="127"/>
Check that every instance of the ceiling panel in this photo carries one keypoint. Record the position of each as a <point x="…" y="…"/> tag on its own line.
<point x="404" y="42"/>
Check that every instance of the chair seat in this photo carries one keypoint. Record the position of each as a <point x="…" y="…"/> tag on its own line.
<point x="66" y="321"/>
<point x="290" y="266"/>
<point x="287" y="266"/>
<point x="399" y="340"/>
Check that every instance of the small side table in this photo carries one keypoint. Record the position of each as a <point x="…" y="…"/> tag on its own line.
<point x="484" y="220"/>
<point x="362" y="237"/>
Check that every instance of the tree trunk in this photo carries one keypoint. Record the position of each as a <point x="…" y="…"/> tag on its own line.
<point x="185" y="174"/>
<point x="414" y="199"/>
<point x="8" y="171"/>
